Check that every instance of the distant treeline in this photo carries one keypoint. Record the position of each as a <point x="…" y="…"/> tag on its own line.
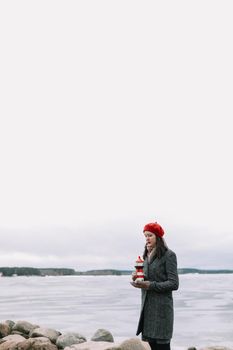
<point x="189" y="270"/>
<point x="129" y="272"/>
<point x="101" y="272"/>
<point x="32" y="271"/>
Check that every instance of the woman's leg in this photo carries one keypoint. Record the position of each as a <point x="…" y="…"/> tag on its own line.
<point x="153" y="345"/>
<point x="163" y="346"/>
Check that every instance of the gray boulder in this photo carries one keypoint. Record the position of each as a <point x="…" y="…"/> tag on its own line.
<point x="69" y="338"/>
<point x="20" y="333"/>
<point x="23" y="327"/>
<point x="49" y="333"/>
<point x="10" y="323"/>
<point x="4" y="329"/>
<point x="102" y="335"/>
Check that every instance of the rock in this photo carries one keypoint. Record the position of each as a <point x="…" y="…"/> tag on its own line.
<point x="23" y="327"/>
<point x="69" y="339"/>
<point x="49" y="333"/>
<point x="4" y="330"/>
<point x="133" y="344"/>
<point x="20" y="333"/>
<point x="13" y="337"/>
<point x="10" y="323"/>
<point x="40" y="343"/>
<point x="102" y="335"/>
<point x="8" y="345"/>
<point x="146" y="345"/>
<point x="11" y="342"/>
<point x="92" y="345"/>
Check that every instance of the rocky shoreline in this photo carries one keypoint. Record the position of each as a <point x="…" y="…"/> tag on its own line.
<point x="23" y="335"/>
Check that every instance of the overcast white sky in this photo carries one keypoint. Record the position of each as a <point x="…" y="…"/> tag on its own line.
<point x="114" y="114"/>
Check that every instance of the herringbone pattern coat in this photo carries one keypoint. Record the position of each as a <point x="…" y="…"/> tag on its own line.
<point x="156" y="319"/>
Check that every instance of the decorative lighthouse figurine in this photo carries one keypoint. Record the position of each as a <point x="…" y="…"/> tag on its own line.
<point x="139" y="270"/>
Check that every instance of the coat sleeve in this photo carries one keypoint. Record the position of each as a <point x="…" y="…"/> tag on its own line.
<point x="172" y="282"/>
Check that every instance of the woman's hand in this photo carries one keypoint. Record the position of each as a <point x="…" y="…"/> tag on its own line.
<point x="134" y="275"/>
<point x="142" y="284"/>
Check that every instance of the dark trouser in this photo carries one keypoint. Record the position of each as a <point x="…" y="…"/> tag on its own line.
<point x="155" y="346"/>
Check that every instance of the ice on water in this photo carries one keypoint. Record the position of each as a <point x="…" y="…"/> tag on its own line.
<point x="203" y="306"/>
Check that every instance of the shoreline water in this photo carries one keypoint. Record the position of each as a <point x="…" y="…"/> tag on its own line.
<point x="203" y="306"/>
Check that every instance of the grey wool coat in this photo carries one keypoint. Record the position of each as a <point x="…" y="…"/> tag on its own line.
<point x="156" y="318"/>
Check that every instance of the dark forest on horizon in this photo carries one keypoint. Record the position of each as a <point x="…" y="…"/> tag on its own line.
<point x="32" y="271"/>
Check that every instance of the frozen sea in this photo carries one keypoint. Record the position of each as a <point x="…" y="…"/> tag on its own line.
<point x="203" y="306"/>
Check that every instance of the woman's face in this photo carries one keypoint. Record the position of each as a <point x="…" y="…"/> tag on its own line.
<point x="150" y="240"/>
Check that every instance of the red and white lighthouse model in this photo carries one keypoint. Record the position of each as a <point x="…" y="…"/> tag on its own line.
<point x="139" y="270"/>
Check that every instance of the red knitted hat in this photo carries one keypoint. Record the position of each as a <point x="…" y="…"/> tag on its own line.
<point x="155" y="228"/>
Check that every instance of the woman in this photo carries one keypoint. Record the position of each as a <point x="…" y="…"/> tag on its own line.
<point x="161" y="278"/>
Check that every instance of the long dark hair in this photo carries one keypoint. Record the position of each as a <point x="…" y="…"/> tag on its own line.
<point x="160" y="249"/>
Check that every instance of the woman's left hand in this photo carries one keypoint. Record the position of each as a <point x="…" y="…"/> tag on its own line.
<point x="142" y="284"/>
